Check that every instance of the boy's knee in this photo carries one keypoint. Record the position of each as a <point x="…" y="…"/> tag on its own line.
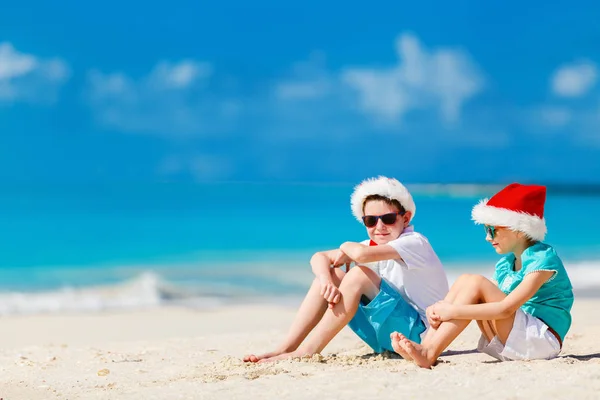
<point x="360" y="273"/>
<point x="361" y="279"/>
<point x="338" y="273"/>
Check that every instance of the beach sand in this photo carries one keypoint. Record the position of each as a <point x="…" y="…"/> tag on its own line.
<point x="187" y="354"/>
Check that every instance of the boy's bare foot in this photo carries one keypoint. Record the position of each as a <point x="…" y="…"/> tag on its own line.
<point x="250" y="358"/>
<point x="279" y="357"/>
<point x="417" y="353"/>
<point x="256" y="358"/>
<point x="285" y="356"/>
<point x="396" y="338"/>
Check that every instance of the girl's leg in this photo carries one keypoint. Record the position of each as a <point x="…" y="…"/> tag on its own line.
<point x="477" y="289"/>
<point x="457" y="287"/>
<point x="487" y="329"/>
<point x="359" y="281"/>
<point x="309" y="314"/>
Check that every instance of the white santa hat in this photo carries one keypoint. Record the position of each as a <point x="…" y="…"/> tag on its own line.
<point x="386" y="187"/>
<point x="518" y="207"/>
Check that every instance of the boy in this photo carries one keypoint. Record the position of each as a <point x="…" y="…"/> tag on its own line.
<point x="396" y="276"/>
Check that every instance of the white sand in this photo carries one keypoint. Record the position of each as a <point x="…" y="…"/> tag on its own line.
<point x="183" y="354"/>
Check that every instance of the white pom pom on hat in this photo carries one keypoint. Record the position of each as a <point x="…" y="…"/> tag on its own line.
<point x="382" y="186"/>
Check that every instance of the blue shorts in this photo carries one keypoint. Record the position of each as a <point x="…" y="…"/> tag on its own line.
<point x="388" y="312"/>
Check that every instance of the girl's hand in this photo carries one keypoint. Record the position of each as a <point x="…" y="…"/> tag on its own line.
<point x="443" y="311"/>
<point x="330" y="292"/>
<point x="432" y="318"/>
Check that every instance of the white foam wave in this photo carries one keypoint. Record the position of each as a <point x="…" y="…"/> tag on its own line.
<point x="150" y="290"/>
<point x="454" y="189"/>
<point x="584" y="275"/>
<point x="147" y="290"/>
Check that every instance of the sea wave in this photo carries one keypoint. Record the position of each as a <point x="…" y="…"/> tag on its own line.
<point x="478" y="189"/>
<point x="146" y="290"/>
<point x="285" y="286"/>
<point x="584" y="275"/>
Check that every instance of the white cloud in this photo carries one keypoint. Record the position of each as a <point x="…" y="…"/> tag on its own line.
<point x="25" y="77"/>
<point x="553" y="116"/>
<point x="181" y="75"/>
<point x="487" y="138"/>
<point x="173" y="99"/>
<point x="201" y="167"/>
<point x="14" y="64"/>
<point x="574" y="80"/>
<point x="309" y="80"/>
<point x="442" y="78"/>
<point x="302" y="90"/>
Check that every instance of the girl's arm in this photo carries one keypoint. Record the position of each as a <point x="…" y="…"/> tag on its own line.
<point x="361" y="253"/>
<point x="500" y="309"/>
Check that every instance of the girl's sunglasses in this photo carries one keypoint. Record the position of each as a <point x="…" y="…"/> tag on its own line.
<point x="490" y="230"/>
<point x="388" y="219"/>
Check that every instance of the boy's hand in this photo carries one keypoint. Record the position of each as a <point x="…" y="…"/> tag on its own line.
<point x="342" y="258"/>
<point x="330" y="292"/>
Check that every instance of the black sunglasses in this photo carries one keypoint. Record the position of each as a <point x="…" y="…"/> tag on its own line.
<point x="388" y="219"/>
<point x="490" y="230"/>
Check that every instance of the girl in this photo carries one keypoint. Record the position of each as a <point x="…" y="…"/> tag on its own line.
<point x="527" y="315"/>
<point x="396" y="277"/>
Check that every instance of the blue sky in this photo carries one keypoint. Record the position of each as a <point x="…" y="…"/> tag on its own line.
<point x="270" y="91"/>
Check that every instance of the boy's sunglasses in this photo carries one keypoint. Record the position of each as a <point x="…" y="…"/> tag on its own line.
<point x="490" y="230"/>
<point x="388" y="219"/>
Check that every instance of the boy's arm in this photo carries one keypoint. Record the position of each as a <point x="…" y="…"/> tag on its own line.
<point x="500" y="309"/>
<point x="361" y="253"/>
<point x="321" y="263"/>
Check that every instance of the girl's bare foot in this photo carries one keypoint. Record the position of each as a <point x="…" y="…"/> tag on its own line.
<point x="417" y="353"/>
<point x="396" y="338"/>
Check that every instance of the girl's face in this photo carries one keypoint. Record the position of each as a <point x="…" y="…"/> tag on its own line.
<point x="382" y="232"/>
<point x="503" y="239"/>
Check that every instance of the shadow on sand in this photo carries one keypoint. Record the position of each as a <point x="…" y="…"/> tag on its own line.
<point x="581" y="357"/>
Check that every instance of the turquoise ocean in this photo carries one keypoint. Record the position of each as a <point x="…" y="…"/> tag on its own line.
<point x="83" y="248"/>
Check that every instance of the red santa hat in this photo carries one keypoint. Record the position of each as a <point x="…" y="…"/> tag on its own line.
<point x="386" y="187"/>
<point x="518" y="207"/>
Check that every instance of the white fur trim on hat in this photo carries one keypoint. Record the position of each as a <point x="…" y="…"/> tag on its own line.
<point x="531" y="225"/>
<point x="387" y="187"/>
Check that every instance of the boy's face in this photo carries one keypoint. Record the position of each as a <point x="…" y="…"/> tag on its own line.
<point x="504" y="240"/>
<point x="382" y="233"/>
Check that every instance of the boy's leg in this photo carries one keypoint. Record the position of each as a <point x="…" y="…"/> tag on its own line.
<point x="308" y="316"/>
<point x="359" y="281"/>
<point x="476" y="289"/>
<point x="389" y="312"/>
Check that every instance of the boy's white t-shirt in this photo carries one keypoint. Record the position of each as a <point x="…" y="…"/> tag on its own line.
<point x="418" y="276"/>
